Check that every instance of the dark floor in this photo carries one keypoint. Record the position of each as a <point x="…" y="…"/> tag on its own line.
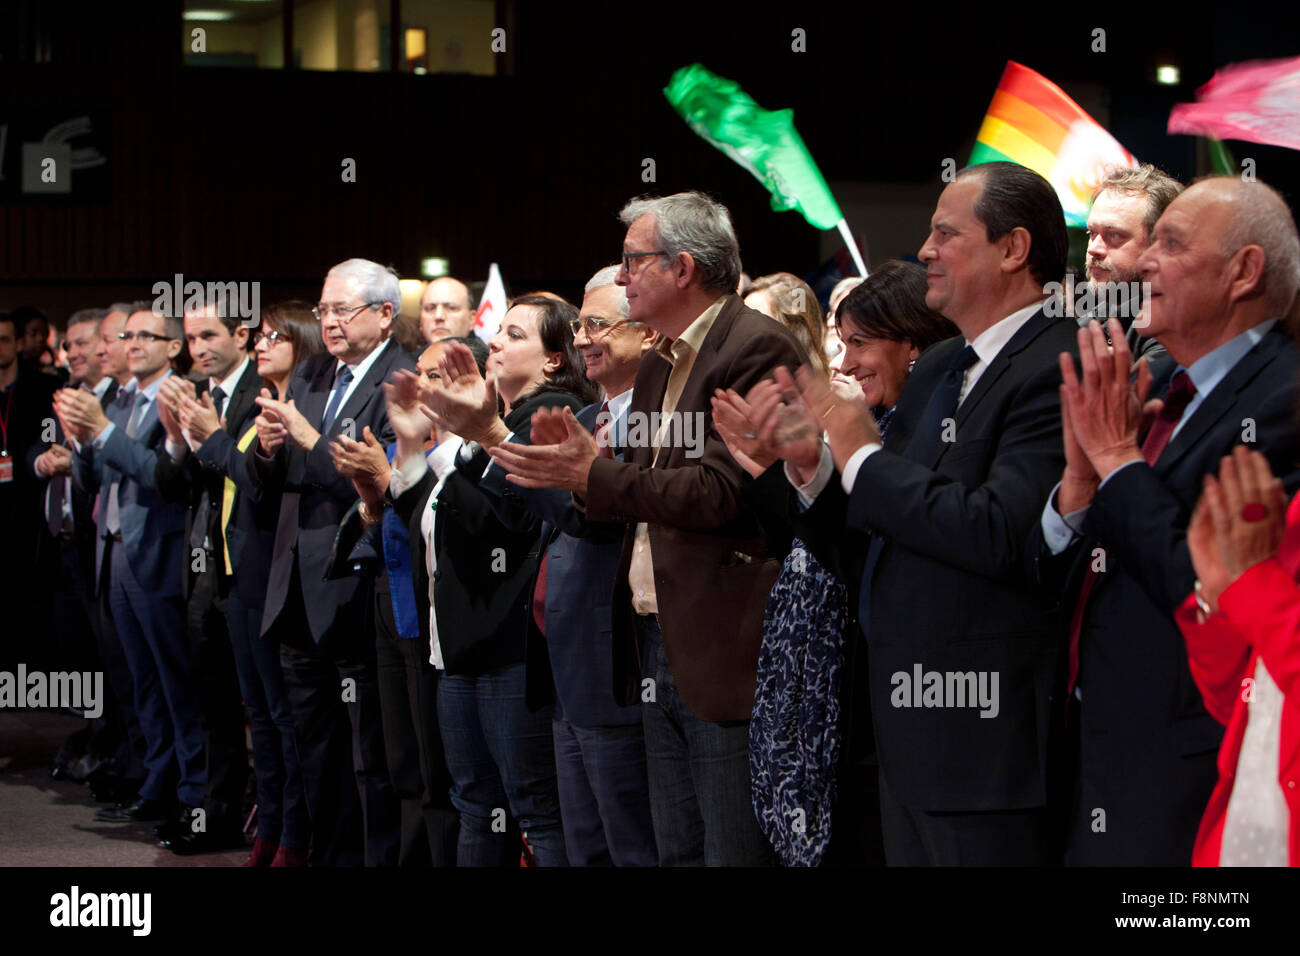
<point x="46" y="822"/>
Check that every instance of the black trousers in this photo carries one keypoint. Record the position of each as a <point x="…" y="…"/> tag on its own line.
<point x="333" y="691"/>
<point x="222" y="703"/>
<point x="408" y="698"/>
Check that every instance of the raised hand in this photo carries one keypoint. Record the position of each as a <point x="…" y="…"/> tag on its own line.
<point x="564" y="465"/>
<point x="297" y="429"/>
<point x="271" y="431"/>
<point x="365" y="463"/>
<point x="199" y="418"/>
<point x="731" y="419"/>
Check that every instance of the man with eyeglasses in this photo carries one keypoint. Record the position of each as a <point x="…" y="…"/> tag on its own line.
<point x="445" y="310"/>
<point x="327" y="649"/>
<point x="599" y="744"/>
<point x="693" y="556"/>
<point x="142" y="543"/>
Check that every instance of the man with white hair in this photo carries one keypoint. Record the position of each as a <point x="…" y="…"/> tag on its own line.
<point x="326" y="650"/>
<point x="600" y="758"/>
<point x="1224" y="268"/>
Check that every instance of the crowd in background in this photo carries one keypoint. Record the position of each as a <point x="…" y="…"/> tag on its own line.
<point x="955" y="571"/>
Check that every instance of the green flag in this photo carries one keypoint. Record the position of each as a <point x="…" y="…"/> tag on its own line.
<point x="1220" y="159"/>
<point x="763" y="141"/>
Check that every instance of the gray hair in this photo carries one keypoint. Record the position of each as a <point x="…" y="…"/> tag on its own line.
<point x="378" y="284"/>
<point x="123" y="307"/>
<point x="605" y="277"/>
<point x="691" y="222"/>
<point x="87" y="316"/>
<point x="1262" y="218"/>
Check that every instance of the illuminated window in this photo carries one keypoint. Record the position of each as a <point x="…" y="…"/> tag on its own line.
<point x="233" y="33"/>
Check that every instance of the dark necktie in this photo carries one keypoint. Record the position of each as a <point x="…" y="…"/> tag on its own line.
<point x="341" y="383"/>
<point x="929" y="432"/>
<point x="1181" y="392"/>
<point x="218" y="399"/>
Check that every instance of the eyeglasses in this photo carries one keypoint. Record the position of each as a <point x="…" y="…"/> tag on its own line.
<point x="595" y="328"/>
<point x="145" y="338"/>
<point x="270" y="338"/>
<point x="344" y="313"/>
<point x="629" y="256"/>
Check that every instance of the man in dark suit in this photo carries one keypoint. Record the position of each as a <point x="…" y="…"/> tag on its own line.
<point x="687" y="608"/>
<point x="65" y="552"/>
<point x="599" y="745"/>
<point x="218" y="346"/>
<point x="141" y="539"/>
<point x="962" y="651"/>
<point x="1224" y="267"/>
<point x="327" y="644"/>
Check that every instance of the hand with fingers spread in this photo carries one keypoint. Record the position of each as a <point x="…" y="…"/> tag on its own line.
<point x="409" y="423"/>
<point x="1103" y="410"/>
<point x="783" y="425"/>
<point x="297" y="429"/>
<point x="848" y="425"/>
<point x="731" y="419"/>
<point x="563" y="465"/>
<point x="271" y="431"/>
<point x="365" y="463"/>
<point x="465" y="403"/>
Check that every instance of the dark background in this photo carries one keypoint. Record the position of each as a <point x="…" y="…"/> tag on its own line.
<point x="234" y="174"/>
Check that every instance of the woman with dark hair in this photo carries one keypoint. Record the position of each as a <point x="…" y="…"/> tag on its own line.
<point x="811" y="748"/>
<point x="476" y="575"/>
<point x="289" y="335"/>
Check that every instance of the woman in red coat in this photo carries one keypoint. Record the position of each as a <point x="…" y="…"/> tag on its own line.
<point x="1242" y="629"/>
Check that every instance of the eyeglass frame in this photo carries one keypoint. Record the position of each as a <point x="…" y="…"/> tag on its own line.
<point x="627" y="256"/>
<point x="577" y="325"/>
<point x="152" y="337"/>
<point x="338" y="313"/>
<point x="272" y="338"/>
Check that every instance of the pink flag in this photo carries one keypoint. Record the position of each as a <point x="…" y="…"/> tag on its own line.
<point x="1256" y="102"/>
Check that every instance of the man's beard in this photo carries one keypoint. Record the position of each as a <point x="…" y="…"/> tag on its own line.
<point x="1112" y="297"/>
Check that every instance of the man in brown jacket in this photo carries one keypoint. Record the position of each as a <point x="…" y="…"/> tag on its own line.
<point x="687" y="607"/>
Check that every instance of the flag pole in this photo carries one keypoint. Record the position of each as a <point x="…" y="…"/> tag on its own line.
<point x="843" y="227"/>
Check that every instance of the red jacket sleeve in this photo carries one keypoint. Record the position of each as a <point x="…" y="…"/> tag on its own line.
<point x="1264" y="605"/>
<point x="1217" y="655"/>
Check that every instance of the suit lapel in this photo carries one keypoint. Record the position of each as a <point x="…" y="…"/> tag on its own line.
<point x="648" y="398"/>
<point x="1220" y="401"/>
<point x="243" y="401"/>
<point x="367" y="388"/>
<point x="312" y="404"/>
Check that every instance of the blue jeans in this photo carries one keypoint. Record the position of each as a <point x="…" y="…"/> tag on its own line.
<point x="604" y="797"/>
<point x="700" y="797"/>
<point x="281" y="806"/>
<point x="502" y="762"/>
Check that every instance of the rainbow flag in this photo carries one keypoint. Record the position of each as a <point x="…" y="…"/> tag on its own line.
<point x="1032" y="122"/>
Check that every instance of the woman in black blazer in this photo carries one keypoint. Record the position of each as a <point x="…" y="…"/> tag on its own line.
<point x="494" y="694"/>
<point x="289" y="335"/>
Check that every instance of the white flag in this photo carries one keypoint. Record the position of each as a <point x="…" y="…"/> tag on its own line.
<point x="492" y="306"/>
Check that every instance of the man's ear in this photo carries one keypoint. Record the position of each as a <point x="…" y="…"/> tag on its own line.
<point x="684" y="269"/>
<point x="241" y="337"/>
<point x="1246" y="272"/>
<point x="1015" y="249"/>
<point x="385" y="316"/>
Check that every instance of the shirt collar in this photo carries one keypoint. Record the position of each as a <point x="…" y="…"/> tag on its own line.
<point x="149" y="393"/>
<point x="991" y="341"/>
<point x="361" y="368"/>
<point x="619" y="403"/>
<point x="1208" y="370"/>
<point x="100" y="387"/>
<point x="231" y="381"/>
<point x="694" y="335"/>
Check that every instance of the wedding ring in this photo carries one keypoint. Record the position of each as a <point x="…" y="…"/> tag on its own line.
<point x="750" y="435"/>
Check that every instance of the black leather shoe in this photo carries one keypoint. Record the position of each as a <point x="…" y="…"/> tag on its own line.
<point x="177" y="825"/>
<point x="142" y="810"/>
<point x="209" y="841"/>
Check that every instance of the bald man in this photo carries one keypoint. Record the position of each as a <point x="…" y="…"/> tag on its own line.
<point x="445" y="310"/>
<point x="1224" y="268"/>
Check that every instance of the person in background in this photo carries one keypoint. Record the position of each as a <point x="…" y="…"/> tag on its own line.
<point x="791" y="301"/>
